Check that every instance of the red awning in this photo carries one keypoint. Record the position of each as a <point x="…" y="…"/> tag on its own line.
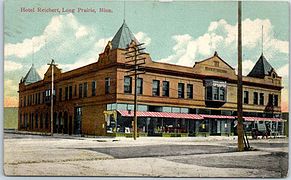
<point x="160" y="114"/>
<point x="262" y="119"/>
<point x="216" y="116"/>
<point x="191" y="116"/>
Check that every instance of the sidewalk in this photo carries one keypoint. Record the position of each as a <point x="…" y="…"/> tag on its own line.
<point x="148" y="138"/>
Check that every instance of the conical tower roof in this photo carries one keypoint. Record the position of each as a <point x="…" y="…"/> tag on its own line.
<point x="261" y="68"/>
<point x="32" y="76"/>
<point x="123" y="37"/>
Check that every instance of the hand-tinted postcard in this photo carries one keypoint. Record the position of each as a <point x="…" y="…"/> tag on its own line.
<point x="146" y="88"/>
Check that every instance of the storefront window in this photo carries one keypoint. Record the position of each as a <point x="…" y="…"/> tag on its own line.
<point x="167" y="109"/>
<point x="184" y="110"/>
<point x="176" y="110"/>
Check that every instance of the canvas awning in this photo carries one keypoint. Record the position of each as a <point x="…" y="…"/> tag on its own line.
<point x="160" y="114"/>
<point x="263" y="119"/>
<point x="191" y="116"/>
<point x="207" y="116"/>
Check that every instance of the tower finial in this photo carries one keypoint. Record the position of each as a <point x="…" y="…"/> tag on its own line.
<point x="262" y="39"/>
<point x="123" y="11"/>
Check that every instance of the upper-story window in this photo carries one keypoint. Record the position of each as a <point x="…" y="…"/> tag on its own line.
<point x="75" y="91"/>
<point x="39" y="98"/>
<point x="60" y="94"/>
<point x="139" y="86"/>
<point x="80" y="90"/>
<point x="276" y="100"/>
<point x="166" y="87"/>
<point x="70" y="92"/>
<point x="48" y="92"/>
<point x="35" y="98"/>
<point x="93" y="88"/>
<point x="215" y="90"/>
<point x="271" y="99"/>
<point x="181" y="90"/>
<point x="85" y="89"/>
<point x="246" y="97"/>
<point x="66" y="93"/>
<point x="156" y="88"/>
<point x="24" y="101"/>
<point x="43" y="97"/>
<point x="262" y="99"/>
<point x="256" y="98"/>
<point x="216" y="63"/>
<point x="107" y="85"/>
<point x="127" y="84"/>
<point x="190" y="91"/>
<point x="32" y="99"/>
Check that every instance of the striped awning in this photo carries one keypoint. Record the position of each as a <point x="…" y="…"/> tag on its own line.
<point x="262" y="119"/>
<point x="207" y="116"/>
<point x="160" y="114"/>
<point x="191" y="116"/>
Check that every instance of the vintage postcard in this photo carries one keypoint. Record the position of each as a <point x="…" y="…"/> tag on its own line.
<point x="146" y="88"/>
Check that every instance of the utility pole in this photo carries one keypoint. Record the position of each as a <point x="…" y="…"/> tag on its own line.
<point x="52" y="64"/>
<point x="134" y="52"/>
<point x="240" y="130"/>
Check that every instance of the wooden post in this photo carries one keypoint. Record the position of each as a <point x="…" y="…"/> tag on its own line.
<point x="239" y="84"/>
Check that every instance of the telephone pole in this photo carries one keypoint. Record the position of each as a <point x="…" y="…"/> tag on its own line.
<point x="134" y="53"/>
<point x="52" y="64"/>
<point x="240" y="133"/>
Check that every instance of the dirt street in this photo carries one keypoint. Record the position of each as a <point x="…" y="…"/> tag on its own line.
<point x="32" y="155"/>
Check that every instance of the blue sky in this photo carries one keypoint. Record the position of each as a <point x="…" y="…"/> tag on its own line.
<point x="176" y="32"/>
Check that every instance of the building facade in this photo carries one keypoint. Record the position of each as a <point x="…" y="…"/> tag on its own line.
<point x="97" y="99"/>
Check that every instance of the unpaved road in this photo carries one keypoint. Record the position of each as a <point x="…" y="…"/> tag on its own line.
<point x="32" y="155"/>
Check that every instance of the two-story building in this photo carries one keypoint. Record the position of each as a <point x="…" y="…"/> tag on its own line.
<point x="97" y="99"/>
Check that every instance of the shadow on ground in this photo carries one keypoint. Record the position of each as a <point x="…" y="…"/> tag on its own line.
<point x="161" y="150"/>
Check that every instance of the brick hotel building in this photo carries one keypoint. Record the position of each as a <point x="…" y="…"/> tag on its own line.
<point x="97" y="99"/>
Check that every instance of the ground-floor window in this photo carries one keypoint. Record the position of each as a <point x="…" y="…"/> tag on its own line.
<point x="153" y="126"/>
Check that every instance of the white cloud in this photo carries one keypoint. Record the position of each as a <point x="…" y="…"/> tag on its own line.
<point x="222" y="36"/>
<point x="11" y="66"/>
<point x="143" y="38"/>
<point x="25" y="48"/>
<point x="89" y="57"/>
<point x="247" y="66"/>
<point x="81" y="32"/>
<point x="283" y="71"/>
<point x="42" y="70"/>
<point x="57" y="28"/>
